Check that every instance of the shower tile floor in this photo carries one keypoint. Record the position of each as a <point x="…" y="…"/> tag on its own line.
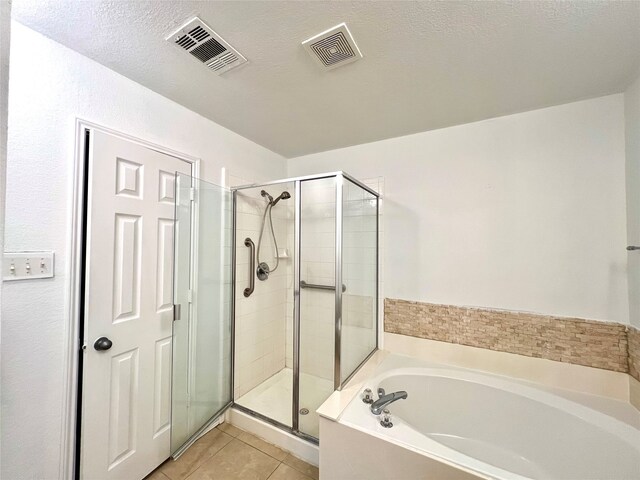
<point x="228" y="453"/>
<point x="273" y="398"/>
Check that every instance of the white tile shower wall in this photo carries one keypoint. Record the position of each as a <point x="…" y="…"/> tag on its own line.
<point x="260" y="318"/>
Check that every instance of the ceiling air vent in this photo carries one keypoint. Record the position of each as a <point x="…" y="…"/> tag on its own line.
<point x="198" y="39"/>
<point x="333" y="48"/>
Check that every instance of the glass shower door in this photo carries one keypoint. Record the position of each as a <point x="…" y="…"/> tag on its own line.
<point x="317" y="329"/>
<point x="359" y="271"/>
<point x="201" y="386"/>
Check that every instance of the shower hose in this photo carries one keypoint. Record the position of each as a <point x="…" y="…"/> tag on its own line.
<point x="273" y="235"/>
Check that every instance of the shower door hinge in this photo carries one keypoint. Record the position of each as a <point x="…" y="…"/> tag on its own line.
<point x="192" y="194"/>
<point x="190" y="296"/>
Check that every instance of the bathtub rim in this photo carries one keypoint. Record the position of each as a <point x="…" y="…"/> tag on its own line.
<point x="613" y="405"/>
<point x="550" y="373"/>
<point x="449" y="456"/>
<point x="568" y="406"/>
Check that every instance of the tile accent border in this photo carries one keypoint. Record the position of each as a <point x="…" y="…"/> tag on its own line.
<point x="571" y="340"/>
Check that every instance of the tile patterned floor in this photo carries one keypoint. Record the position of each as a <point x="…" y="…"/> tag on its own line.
<point x="228" y="453"/>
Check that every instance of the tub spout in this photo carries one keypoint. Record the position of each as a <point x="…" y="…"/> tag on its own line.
<point x="379" y="405"/>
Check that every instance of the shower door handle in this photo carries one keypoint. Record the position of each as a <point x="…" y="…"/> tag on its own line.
<point x="252" y="266"/>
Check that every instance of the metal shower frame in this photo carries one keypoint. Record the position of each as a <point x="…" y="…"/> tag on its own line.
<point x="338" y="382"/>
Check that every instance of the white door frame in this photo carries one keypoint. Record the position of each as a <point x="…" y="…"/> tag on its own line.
<point x="75" y="280"/>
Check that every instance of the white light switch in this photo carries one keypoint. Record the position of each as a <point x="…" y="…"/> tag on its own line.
<point x="27" y="265"/>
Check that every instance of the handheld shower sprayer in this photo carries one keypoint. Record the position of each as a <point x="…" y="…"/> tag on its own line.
<point x="263" y="269"/>
<point x="265" y="194"/>
<point x="283" y="196"/>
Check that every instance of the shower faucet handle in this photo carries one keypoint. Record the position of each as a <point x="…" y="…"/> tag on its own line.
<point x="381" y="392"/>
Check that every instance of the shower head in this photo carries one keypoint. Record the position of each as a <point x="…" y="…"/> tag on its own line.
<point x="283" y="196"/>
<point x="265" y="194"/>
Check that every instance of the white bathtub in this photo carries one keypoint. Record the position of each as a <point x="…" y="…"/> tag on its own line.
<point x="493" y="427"/>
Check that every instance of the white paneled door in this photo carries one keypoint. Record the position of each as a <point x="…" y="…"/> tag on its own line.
<point x="126" y="400"/>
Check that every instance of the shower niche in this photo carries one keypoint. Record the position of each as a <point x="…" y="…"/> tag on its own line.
<point x="297" y="337"/>
<point x="259" y="323"/>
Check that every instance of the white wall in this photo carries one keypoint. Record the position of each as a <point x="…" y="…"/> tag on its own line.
<point x="524" y="212"/>
<point x="632" y="137"/>
<point x="50" y="86"/>
<point x="5" y="40"/>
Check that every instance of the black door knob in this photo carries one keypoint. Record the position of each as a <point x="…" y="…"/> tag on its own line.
<point x="103" y="343"/>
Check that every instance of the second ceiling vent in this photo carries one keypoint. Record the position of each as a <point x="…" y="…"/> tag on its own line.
<point x="205" y="45"/>
<point x="333" y="48"/>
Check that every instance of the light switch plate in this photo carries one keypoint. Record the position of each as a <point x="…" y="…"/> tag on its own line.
<point x="27" y="265"/>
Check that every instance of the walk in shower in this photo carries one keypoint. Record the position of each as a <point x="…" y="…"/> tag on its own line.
<point x="302" y="330"/>
<point x="258" y="321"/>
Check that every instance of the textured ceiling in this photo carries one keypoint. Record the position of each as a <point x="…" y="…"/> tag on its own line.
<point x="426" y="64"/>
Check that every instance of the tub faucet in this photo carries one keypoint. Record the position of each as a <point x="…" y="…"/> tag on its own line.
<point x="386" y="399"/>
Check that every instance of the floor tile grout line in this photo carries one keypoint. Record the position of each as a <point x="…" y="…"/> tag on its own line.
<point x="260" y="451"/>
<point x="205" y="460"/>
<point x="299" y="471"/>
<point x="280" y="461"/>
<point x="274" y="471"/>
<point x="271" y="475"/>
<point x="202" y="460"/>
<point x="257" y="450"/>
<point x="293" y="468"/>
<point x="212" y="456"/>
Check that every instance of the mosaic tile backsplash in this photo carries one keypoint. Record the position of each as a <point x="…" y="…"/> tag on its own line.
<point x="605" y="345"/>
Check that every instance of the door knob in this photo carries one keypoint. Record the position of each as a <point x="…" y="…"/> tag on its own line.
<point x="103" y="343"/>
